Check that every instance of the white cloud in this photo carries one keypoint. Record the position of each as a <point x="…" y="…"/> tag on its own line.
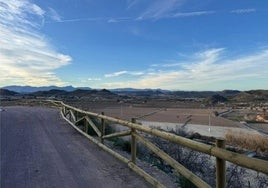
<point x="37" y="10"/>
<point x="54" y="15"/>
<point x="188" y="14"/>
<point x="25" y="54"/>
<point x="93" y="79"/>
<point x="243" y="11"/>
<point x="160" y="9"/>
<point x="112" y="20"/>
<point x="132" y="3"/>
<point x="167" y="9"/>
<point x="167" y="65"/>
<point x="119" y="73"/>
<point x="119" y="19"/>
<point x="115" y="74"/>
<point x="210" y="69"/>
<point x="96" y="19"/>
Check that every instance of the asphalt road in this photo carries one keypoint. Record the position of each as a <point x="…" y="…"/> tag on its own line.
<point x="39" y="149"/>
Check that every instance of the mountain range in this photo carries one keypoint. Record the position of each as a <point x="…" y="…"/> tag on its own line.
<point x="31" y="89"/>
<point x="68" y="91"/>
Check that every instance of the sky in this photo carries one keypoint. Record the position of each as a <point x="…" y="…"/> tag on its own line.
<point x="168" y="44"/>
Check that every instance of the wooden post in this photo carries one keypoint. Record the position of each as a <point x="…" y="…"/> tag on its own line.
<point x="76" y="115"/>
<point x="133" y="143"/>
<point x="220" y="167"/>
<point x="86" y="125"/>
<point x="102" y="129"/>
<point x="64" y="110"/>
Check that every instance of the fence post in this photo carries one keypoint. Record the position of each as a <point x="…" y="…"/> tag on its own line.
<point x="102" y="128"/>
<point x="86" y="125"/>
<point x="76" y="115"/>
<point x="220" y="167"/>
<point x="133" y="143"/>
<point x="64" y="110"/>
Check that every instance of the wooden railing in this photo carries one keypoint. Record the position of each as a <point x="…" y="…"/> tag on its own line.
<point x="75" y="116"/>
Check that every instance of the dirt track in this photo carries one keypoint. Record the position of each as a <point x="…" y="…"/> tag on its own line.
<point x="39" y="149"/>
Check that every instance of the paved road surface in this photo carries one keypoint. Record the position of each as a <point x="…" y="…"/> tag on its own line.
<point x="39" y="149"/>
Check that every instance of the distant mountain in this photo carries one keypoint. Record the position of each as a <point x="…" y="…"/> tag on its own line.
<point x="205" y="94"/>
<point x="52" y="92"/>
<point x="216" y="99"/>
<point x="78" y="93"/>
<point x="194" y="94"/>
<point x="83" y="88"/>
<point x="31" y="89"/>
<point x="72" y="92"/>
<point x="92" y="93"/>
<point x="137" y="90"/>
<point x="131" y="92"/>
<point x="6" y="92"/>
<point x="229" y="92"/>
<point x="252" y="95"/>
<point x="179" y="94"/>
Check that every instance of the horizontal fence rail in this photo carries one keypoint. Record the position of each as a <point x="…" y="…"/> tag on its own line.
<point x="75" y="116"/>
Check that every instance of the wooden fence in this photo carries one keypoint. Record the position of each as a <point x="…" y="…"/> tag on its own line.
<point x="75" y="116"/>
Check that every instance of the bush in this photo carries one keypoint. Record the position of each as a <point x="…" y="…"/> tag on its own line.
<point x="185" y="183"/>
<point x="249" y="141"/>
<point x="122" y="144"/>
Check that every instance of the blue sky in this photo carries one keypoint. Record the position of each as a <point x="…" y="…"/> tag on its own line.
<point x="168" y="44"/>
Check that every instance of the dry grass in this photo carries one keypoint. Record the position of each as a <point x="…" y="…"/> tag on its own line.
<point x="249" y="141"/>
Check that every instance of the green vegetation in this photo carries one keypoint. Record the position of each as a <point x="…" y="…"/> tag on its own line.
<point x="185" y="183"/>
<point x="124" y="145"/>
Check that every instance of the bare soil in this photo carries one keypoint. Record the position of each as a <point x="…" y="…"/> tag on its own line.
<point x="171" y="115"/>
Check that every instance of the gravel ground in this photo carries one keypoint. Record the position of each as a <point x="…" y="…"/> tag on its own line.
<point x="39" y="149"/>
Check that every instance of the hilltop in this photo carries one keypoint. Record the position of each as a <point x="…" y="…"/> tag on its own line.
<point x="252" y="95"/>
<point x="210" y="97"/>
<point x="75" y="94"/>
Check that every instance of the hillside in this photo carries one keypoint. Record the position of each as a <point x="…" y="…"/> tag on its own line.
<point x="78" y="93"/>
<point x="52" y="92"/>
<point x="6" y="92"/>
<point x="250" y="96"/>
<point x="216" y="99"/>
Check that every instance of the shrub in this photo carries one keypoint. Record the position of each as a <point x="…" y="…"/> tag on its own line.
<point x="122" y="144"/>
<point x="185" y="183"/>
<point x="249" y="141"/>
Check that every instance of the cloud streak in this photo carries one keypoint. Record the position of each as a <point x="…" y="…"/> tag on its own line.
<point x="132" y="3"/>
<point x="53" y="14"/>
<point x="26" y="56"/>
<point x="160" y="9"/>
<point x="190" y="14"/>
<point x="120" y="73"/>
<point x="154" y="10"/>
<point x="205" y="70"/>
<point x="79" y="20"/>
<point x="94" y="79"/>
<point x="243" y="11"/>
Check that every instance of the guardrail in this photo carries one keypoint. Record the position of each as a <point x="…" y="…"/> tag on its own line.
<point x="75" y="116"/>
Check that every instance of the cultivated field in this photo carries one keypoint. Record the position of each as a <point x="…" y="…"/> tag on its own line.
<point x="190" y="117"/>
<point x="166" y="112"/>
